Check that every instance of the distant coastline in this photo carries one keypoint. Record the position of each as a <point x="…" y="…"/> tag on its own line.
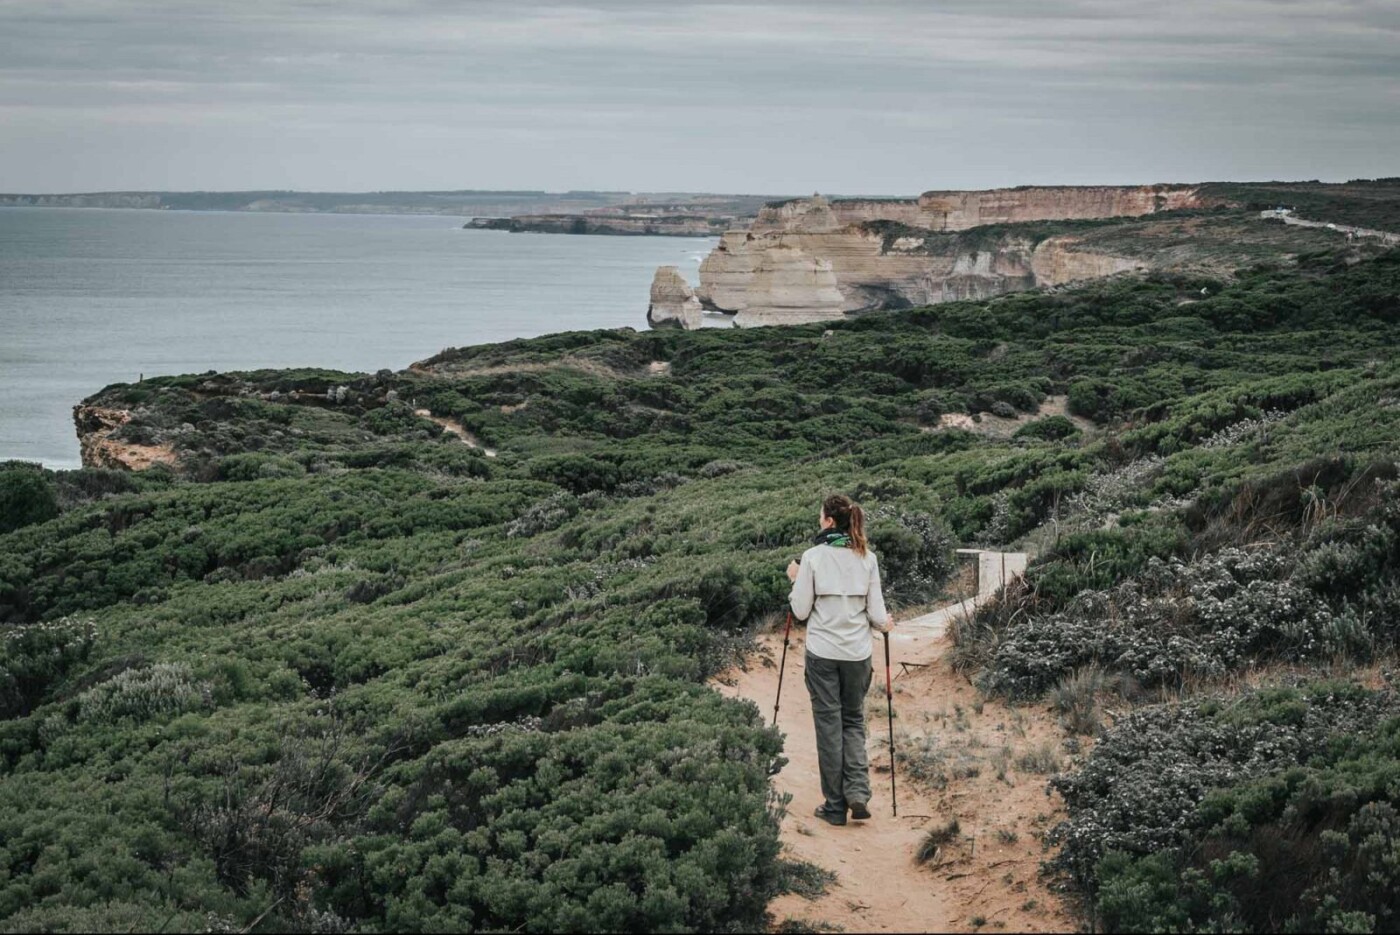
<point x="614" y="225"/>
<point x="94" y="297"/>
<point x="469" y="203"/>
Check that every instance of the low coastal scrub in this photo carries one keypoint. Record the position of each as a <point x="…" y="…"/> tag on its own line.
<point x="26" y="496"/>
<point x="1368" y="203"/>
<point x="1180" y="620"/>
<point x="337" y="669"/>
<point x="1272" y="811"/>
<point x="1252" y="527"/>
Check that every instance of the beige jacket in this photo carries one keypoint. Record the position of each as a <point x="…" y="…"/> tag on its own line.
<point x="838" y="593"/>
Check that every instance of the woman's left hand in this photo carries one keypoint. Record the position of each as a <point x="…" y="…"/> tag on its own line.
<point x="792" y="570"/>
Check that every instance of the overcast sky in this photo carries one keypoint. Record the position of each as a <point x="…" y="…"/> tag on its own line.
<point x="762" y="97"/>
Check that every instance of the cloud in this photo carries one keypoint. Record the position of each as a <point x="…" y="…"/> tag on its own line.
<point x="770" y="96"/>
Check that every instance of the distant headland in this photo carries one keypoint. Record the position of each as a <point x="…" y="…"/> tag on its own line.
<point x="824" y="258"/>
<point x="726" y="210"/>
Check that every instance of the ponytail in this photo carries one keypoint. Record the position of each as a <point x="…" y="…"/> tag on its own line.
<point x="858" y="541"/>
<point x="849" y="518"/>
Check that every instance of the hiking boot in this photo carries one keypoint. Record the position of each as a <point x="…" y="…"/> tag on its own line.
<point x="831" y="818"/>
<point x="860" y="811"/>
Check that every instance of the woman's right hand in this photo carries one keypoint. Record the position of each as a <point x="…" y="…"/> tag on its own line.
<point x="792" y="570"/>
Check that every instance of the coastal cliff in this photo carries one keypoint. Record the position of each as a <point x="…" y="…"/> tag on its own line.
<point x="102" y="443"/>
<point x="814" y="259"/>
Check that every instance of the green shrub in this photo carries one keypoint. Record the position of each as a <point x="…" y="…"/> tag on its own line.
<point x="1051" y="428"/>
<point x="38" y="656"/>
<point x="26" y="497"/>
<point x="141" y="694"/>
<point x="576" y="473"/>
<point x="1309" y="847"/>
<point x="915" y="552"/>
<point x="1204" y="618"/>
<point x="245" y="467"/>
<point x="1146" y="789"/>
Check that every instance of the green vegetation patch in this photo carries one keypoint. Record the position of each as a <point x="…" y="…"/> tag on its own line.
<point x="338" y="668"/>
<point x="1273" y="811"/>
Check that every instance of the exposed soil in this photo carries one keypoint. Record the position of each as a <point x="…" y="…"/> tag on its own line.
<point x="96" y="425"/>
<point x="998" y="427"/>
<point x="456" y="428"/>
<point x="122" y="455"/>
<point x="976" y="761"/>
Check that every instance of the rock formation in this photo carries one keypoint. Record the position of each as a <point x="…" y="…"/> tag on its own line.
<point x="673" y="304"/>
<point x="98" y="448"/>
<point x="955" y="211"/>
<point x="790" y="287"/>
<point x="814" y="259"/>
<point x="1057" y="261"/>
<point x="775" y="283"/>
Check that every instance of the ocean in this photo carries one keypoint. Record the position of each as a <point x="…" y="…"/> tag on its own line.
<point x="90" y="297"/>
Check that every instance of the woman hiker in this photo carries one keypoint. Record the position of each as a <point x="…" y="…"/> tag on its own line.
<point x="836" y="589"/>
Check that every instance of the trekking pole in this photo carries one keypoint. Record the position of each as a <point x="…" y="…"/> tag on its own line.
<point x="889" y="707"/>
<point x="787" y="633"/>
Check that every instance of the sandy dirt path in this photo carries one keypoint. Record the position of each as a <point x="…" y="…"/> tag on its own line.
<point x="984" y="879"/>
<point x="456" y="428"/>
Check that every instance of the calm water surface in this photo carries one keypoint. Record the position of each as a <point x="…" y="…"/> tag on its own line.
<point x="93" y="297"/>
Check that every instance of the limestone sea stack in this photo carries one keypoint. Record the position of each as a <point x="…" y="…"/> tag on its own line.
<point x="815" y="259"/>
<point x="673" y="302"/>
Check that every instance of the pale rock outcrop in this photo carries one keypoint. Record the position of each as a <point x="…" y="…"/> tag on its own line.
<point x="960" y="210"/>
<point x="940" y="210"/>
<point x="1056" y="261"/>
<point x="849" y="271"/>
<point x="673" y="303"/>
<point x="812" y="259"/>
<point x="790" y="287"/>
<point x="985" y="273"/>
<point x="727" y="272"/>
<point x="801" y="215"/>
<point x="98" y="449"/>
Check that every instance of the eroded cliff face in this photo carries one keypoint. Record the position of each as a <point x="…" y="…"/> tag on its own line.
<point x="1063" y="259"/>
<point x="789" y="287"/>
<point x="812" y="259"/>
<point x="773" y="277"/>
<point x="980" y="274"/>
<point x="810" y="275"/>
<point x="961" y="210"/>
<point x="97" y="427"/>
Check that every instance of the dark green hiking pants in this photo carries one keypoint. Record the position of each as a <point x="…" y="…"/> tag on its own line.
<point x="838" y="709"/>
